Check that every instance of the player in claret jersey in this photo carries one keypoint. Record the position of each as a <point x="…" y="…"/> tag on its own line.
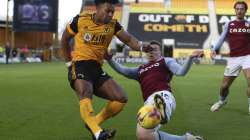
<point x="154" y="78"/>
<point x="237" y="33"/>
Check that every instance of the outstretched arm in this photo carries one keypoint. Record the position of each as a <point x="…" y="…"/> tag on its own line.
<point x="125" y="71"/>
<point x="181" y="70"/>
<point x="132" y="42"/>
<point x="177" y="69"/>
<point x="216" y="46"/>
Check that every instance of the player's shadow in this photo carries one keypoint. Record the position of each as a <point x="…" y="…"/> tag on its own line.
<point x="230" y="110"/>
<point x="237" y="110"/>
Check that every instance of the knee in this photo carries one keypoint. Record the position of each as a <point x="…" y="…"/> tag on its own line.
<point x="144" y="134"/>
<point x="85" y="92"/>
<point x="123" y="98"/>
<point x="141" y="136"/>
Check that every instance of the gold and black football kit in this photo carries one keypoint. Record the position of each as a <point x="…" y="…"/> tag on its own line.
<point x="91" y="41"/>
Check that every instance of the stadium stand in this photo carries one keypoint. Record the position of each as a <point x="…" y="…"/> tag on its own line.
<point x="226" y="6"/>
<point x="189" y="6"/>
<point x="175" y="6"/>
<point x="196" y="4"/>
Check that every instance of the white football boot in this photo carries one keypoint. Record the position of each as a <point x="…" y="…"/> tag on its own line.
<point x="189" y="136"/>
<point x="161" y="106"/>
<point x="216" y="106"/>
<point x="249" y="110"/>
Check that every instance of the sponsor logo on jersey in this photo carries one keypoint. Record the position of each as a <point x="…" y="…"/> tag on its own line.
<point x="149" y="67"/>
<point x="106" y="29"/>
<point x="87" y="37"/>
<point x="239" y="30"/>
<point x="94" y="39"/>
<point x="98" y="39"/>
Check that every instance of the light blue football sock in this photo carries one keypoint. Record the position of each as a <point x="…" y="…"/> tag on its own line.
<point x="160" y="135"/>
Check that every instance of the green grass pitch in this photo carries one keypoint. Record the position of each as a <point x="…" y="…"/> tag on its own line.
<point x="36" y="103"/>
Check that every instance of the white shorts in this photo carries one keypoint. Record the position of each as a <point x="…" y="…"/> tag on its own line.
<point x="236" y="64"/>
<point x="168" y="99"/>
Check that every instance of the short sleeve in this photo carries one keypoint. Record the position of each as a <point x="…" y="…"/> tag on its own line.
<point x="118" y="27"/>
<point x="73" y="26"/>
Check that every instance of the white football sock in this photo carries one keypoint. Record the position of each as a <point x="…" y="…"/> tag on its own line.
<point x="97" y="134"/>
<point x="248" y="102"/>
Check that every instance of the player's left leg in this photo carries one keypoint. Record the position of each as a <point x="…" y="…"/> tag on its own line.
<point x="247" y="75"/>
<point x="155" y="134"/>
<point x="246" y="71"/>
<point x="145" y="134"/>
<point x="165" y="102"/>
<point x="111" y="91"/>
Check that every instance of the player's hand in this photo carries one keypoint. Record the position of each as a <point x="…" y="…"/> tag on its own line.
<point x="146" y="47"/>
<point x="197" y="53"/>
<point x="212" y="54"/>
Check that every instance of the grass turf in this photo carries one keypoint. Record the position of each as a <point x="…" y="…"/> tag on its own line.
<point x="36" y="103"/>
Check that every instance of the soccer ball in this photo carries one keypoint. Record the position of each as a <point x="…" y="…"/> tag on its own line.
<point x="148" y="117"/>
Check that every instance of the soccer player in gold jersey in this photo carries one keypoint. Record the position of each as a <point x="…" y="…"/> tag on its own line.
<point x="92" y="34"/>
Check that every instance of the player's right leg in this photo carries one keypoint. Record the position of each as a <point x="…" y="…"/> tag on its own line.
<point x="246" y="70"/>
<point x="161" y="106"/>
<point x="232" y="70"/>
<point x="164" y="101"/>
<point x="224" y="91"/>
<point x="84" y="90"/>
<point x="80" y="79"/>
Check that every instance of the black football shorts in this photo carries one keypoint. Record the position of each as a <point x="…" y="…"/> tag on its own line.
<point x="89" y="70"/>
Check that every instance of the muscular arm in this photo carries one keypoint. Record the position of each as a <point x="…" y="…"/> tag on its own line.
<point x="68" y="34"/>
<point x="129" y="40"/>
<point x="125" y="71"/>
<point x="66" y="37"/>
<point x="219" y="42"/>
<point x="177" y="69"/>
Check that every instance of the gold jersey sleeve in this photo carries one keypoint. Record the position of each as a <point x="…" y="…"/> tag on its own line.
<point x="91" y="40"/>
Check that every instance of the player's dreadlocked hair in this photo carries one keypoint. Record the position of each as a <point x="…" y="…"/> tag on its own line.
<point x="97" y="2"/>
<point x="241" y="2"/>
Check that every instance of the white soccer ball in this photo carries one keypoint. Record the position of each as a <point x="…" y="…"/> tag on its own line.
<point x="148" y="117"/>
